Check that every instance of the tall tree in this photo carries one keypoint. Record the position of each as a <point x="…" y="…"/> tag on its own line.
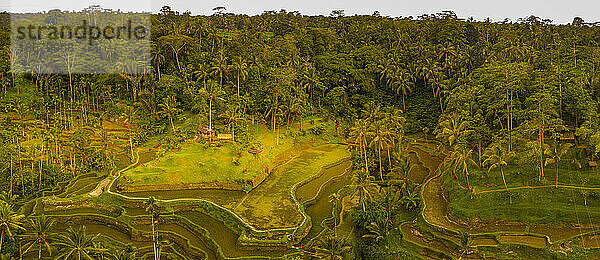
<point x="40" y="235"/>
<point x="76" y="244"/>
<point x="496" y="157"/>
<point x="555" y="154"/>
<point x="460" y="159"/>
<point x="10" y="221"/>
<point x="169" y="107"/>
<point x="151" y="208"/>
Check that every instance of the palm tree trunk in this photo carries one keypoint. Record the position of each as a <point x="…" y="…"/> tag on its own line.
<point x="363" y="204"/>
<point x="541" y="145"/>
<point x="153" y="236"/>
<point x="505" y="186"/>
<point x="467" y="176"/>
<point x="541" y="154"/>
<point x="403" y="104"/>
<point x="508" y="118"/>
<point x="389" y="157"/>
<point x="210" y="118"/>
<point x="366" y="162"/>
<point x="556" y="174"/>
<point x="1" y="239"/>
<point x="131" y="146"/>
<point x="334" y="219"/>
<point x="171" y="120"/>
<point x="380" y="170"/>
<point x="11" y="175"/>
<point x="479" y="152"/>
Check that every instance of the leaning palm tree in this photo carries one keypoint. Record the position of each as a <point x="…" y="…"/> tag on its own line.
<point x="460" y="159"/>
<point x="496" y="157"/>
<point x="331" y="247"/>
<point x="40" y="235"/>
<point x="10" y="221"/>
<point x="76" y="244"/>
<point x="169" y="107"/>
<point x="555" y="154"/>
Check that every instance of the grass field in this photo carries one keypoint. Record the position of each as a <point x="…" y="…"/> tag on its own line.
<point x="199" y="162"/>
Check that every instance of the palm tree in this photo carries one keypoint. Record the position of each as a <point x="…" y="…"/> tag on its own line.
<point x="128" y="115"/>
<point x="10" y="221"/>
<point x="402" y="85"/>
<point x="220" y="67"/>
<point x="213" y="92"/>
<point x="379" y="139"/>
<point x="335" y="199"/>
<point x="361" y="185"/>
<point x="331" y="247"/>
<point x="161" y="244"/>
<point x="157" y="57"/>
<point x="555" y="154"/>
<point x="100" y="250"/>
<point x="452" y="128"/>
<point x="310" y="79"/>
<point x="372" y="112"/>
<point x="378" y="231"/>
<point x="274" y="107"/>
<point x="460" y="159"/>
<point x="151" y="208"/>
<point x="232" y="115"/>
<point x="242" y="70"/>
<point x="399" y="174"/>
<point x="411" y="199"/>
<point x="294" y="107"/>
<point x="9" y="198"/>
<point x="360" y="132"/>
<point x="498" y="157"/>
<point x="76" y="244"/>
<point x="169" y="107"/>
<point x="177" y="41"/>
<point x="40" y="234"/>
<point x="428" y="72"/>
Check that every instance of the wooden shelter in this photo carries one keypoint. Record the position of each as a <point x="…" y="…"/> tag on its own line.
<point x="224" y="137"/>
